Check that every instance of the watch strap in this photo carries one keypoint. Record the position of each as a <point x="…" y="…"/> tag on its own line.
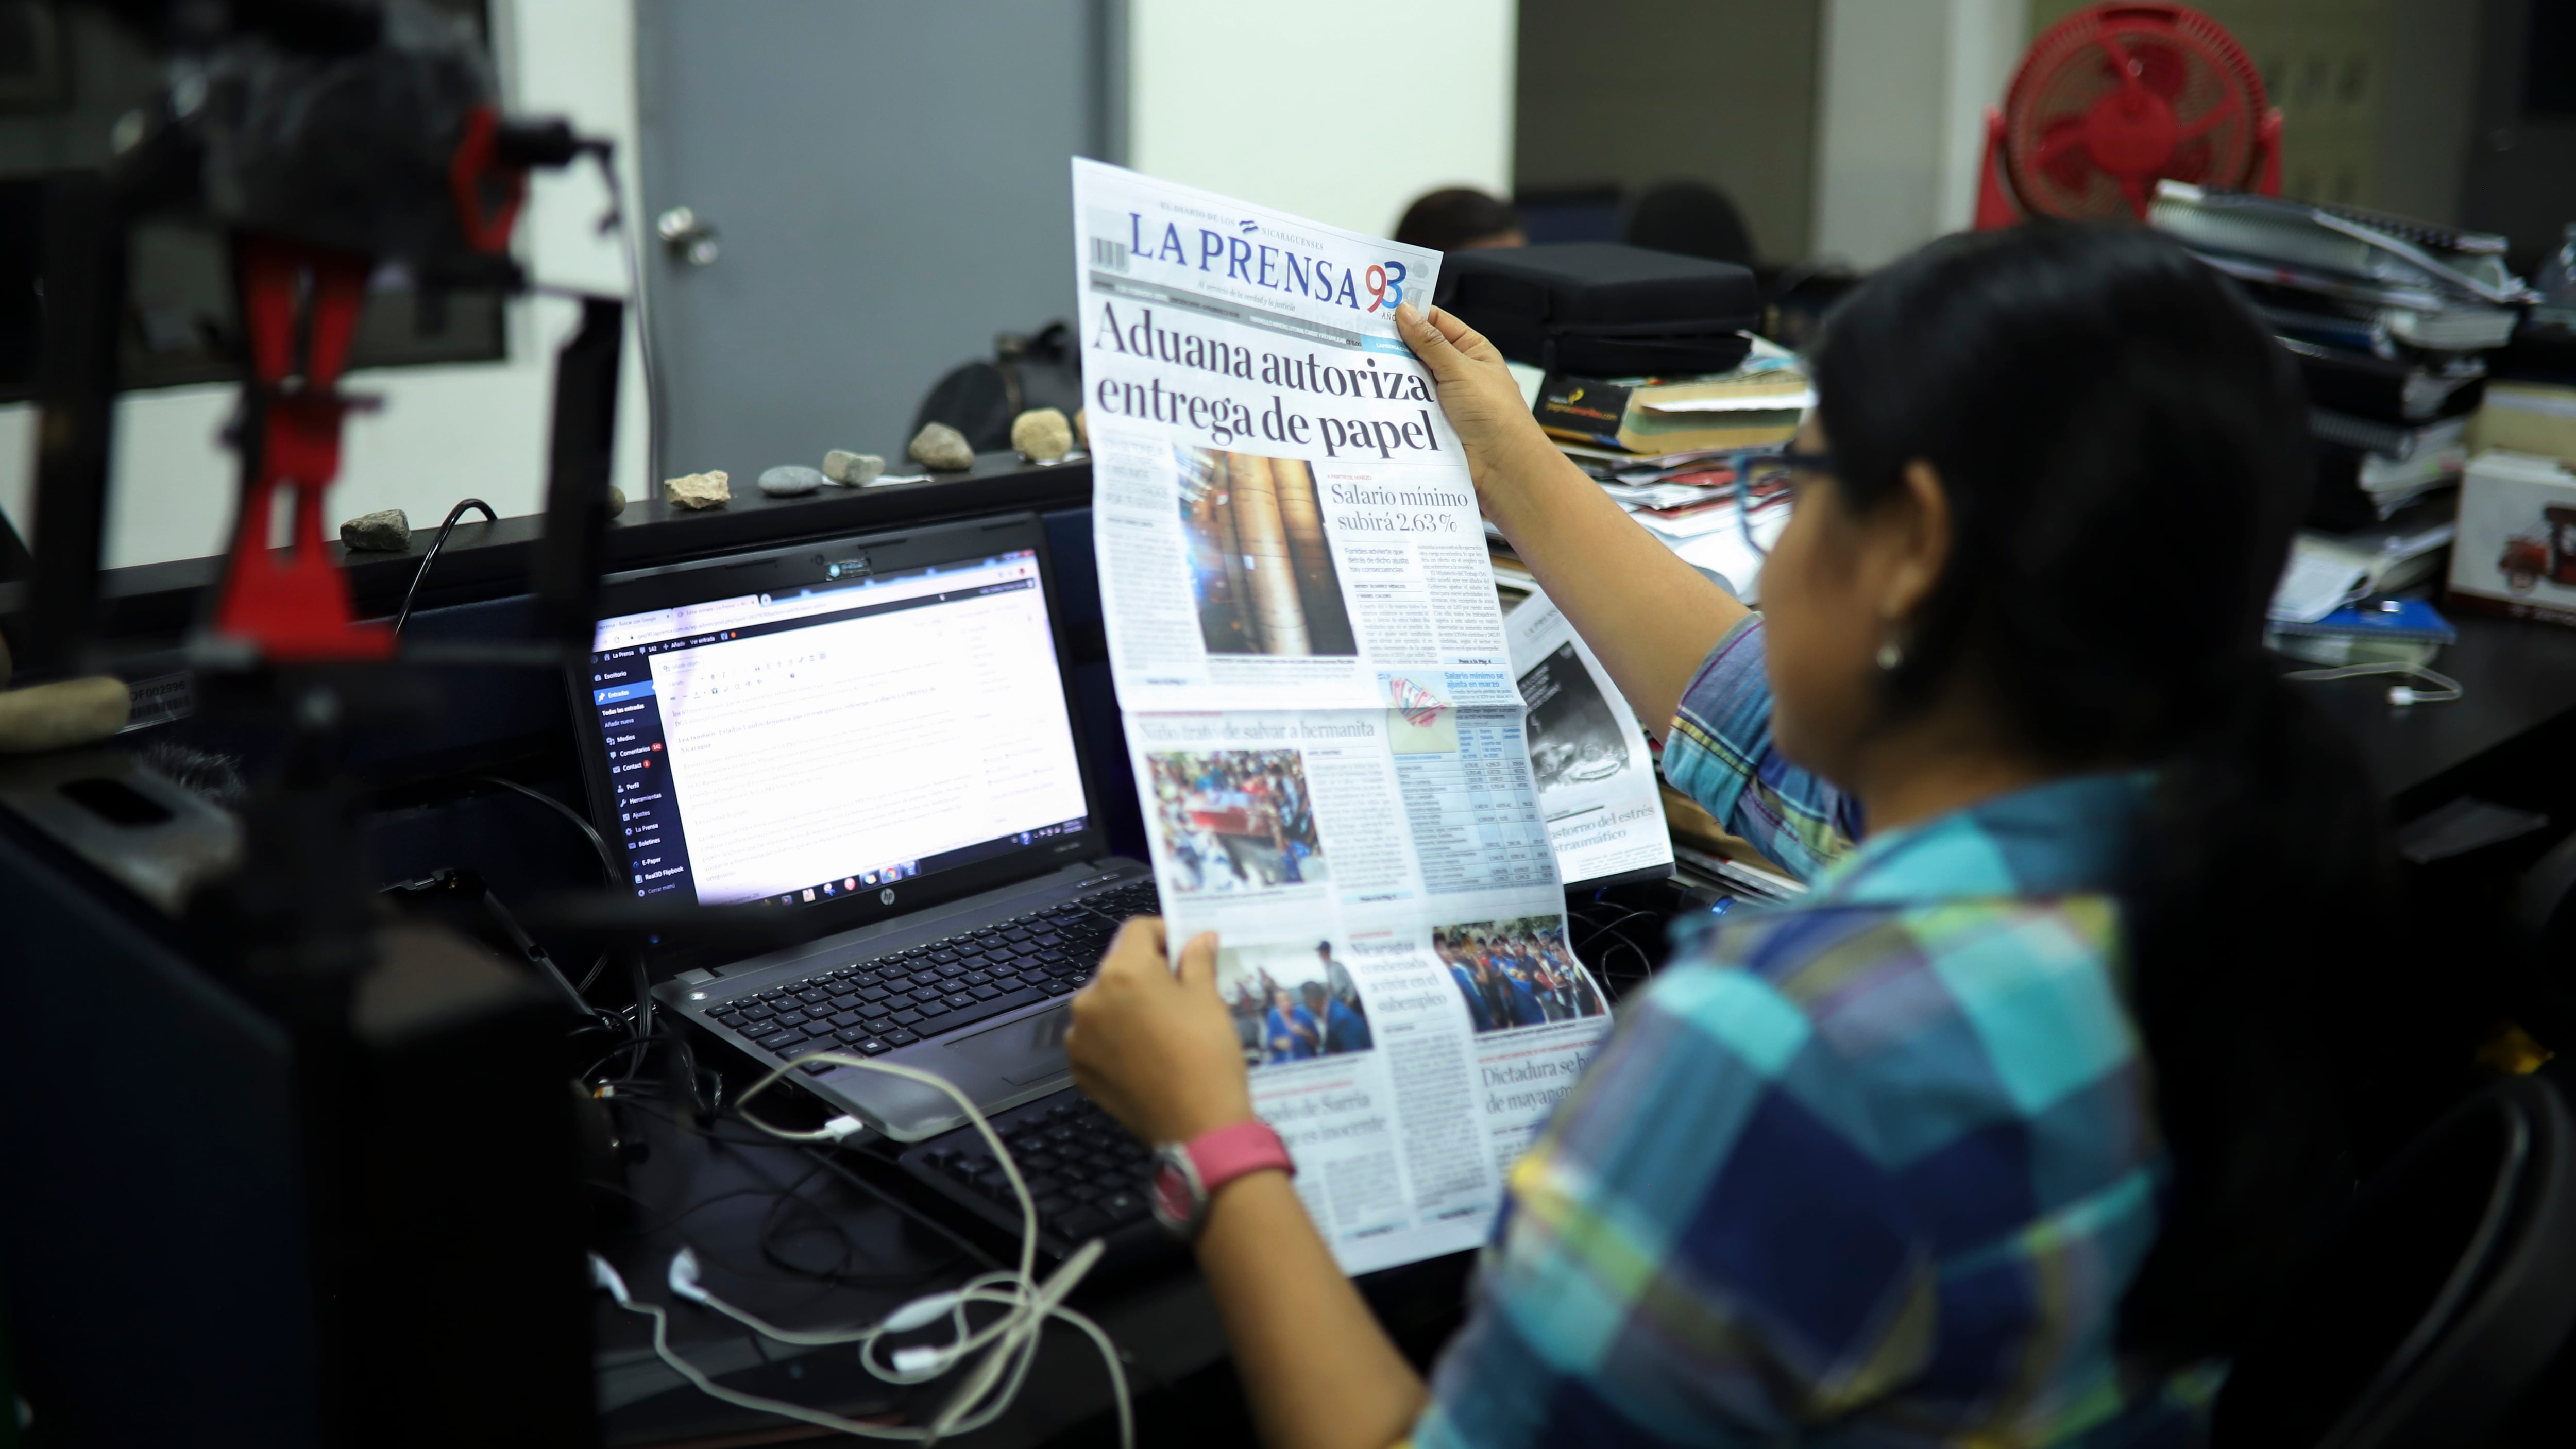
<point x="1227" y="1153"/>
<point x="1192" y="1171"/>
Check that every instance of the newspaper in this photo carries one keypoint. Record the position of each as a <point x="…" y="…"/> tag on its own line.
<point x="1321" y="707"/>
<point x="1596" y="778"/>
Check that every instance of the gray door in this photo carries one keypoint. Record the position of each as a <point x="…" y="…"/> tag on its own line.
<point x="880" y="186"/>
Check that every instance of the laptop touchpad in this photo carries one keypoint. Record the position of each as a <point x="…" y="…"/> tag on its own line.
<point x="1028" y="1050"/>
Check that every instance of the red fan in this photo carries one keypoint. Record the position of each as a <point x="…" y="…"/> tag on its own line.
<point x="2117" y="97"/>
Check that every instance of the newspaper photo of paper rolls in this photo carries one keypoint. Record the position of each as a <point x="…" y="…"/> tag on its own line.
<point x="1261" y="567"/>
<point x="1235" y="820"/>
<point x="1516" y="973"/>
<point x="1291" y="1002"/>
<point x="1575" y="737"/>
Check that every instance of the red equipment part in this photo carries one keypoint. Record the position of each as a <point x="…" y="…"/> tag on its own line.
<point x="2116" y="97"/>
<point x="299" y="308"/>
<point x="299" y="311"/>
<point x="476" y="176"/>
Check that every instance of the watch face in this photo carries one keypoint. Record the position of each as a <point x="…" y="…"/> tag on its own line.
<point x="1174" y="1204"/>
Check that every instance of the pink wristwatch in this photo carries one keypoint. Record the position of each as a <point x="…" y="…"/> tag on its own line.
<point x="1189" y="1173"/>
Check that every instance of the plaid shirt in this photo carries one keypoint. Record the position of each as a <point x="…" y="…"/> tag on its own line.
<point x="1875" y="1169"/>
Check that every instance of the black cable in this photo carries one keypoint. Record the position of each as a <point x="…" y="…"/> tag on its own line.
<point x="532" y="951"/>
<point x="607" y="862"/>
<point x="431" y="557"/>
<point x="966" y="1248"/>
<point x="608" y="868"/>
<point x="643" y="983"/>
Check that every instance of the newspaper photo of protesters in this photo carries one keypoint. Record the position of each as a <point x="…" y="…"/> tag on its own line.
<point x="1261" y="568"/>
<point x="1291" y="1002"/>
<point x="1516" y="973"/>
<point x="1575" y="737"/>
<point x="1235" y="820"/>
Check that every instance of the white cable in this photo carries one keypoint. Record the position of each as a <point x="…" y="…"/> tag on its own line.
<point x="1010" y="1340"/>
<point x="2444" y="690"/>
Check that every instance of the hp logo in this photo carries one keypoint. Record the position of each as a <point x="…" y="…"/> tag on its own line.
<point x="885" y="897"/>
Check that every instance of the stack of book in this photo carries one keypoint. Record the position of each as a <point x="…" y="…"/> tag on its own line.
<point x="2389" y="320"/>
<point x="1663" y="448"/>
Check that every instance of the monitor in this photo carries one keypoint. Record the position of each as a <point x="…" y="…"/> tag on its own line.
<point x="869" y="723"/>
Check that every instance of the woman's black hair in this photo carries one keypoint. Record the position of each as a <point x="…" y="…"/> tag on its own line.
<point x="2124" y="453"/>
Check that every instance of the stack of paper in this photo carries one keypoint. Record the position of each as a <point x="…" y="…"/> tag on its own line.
<point x="2388" y="319"/>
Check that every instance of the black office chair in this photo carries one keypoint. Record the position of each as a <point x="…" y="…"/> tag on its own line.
<point x="2438" y="1300"/>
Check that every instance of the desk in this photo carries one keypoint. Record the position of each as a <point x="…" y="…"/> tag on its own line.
<point x="2519" y="711"/>
<point x="2518" y="682"/>
<point x="715" y="1191"/>
<point x="727" y="1195"/>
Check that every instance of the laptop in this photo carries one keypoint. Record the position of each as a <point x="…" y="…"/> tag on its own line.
<point x="878" y="735"/>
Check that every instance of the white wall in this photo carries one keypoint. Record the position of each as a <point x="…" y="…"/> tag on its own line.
<point x="1342" y="110"/>
<point x="1901" y="119"/>
<point x="445" y="432"/>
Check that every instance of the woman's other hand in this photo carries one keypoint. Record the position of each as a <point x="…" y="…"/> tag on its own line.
<point x="1154" y="1047"/>
<point x="1484" y="404"/>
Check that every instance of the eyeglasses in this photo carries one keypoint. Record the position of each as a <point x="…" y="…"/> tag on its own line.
<point x="1764" y="480"/>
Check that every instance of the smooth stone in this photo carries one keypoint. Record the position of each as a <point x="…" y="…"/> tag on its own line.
<point x="616" y="500"/>
<point x="791" y="480"/>
<point x="855" y="470"/>
<point x="711" y="489"/>
<point x="1042" y="435"/>
<point x="384" y="531"/>
<point x="941" y="448"/>
<point x="73" y="712"/>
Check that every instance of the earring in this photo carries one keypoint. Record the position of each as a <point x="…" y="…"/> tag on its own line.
<point x="1890" y="654"/>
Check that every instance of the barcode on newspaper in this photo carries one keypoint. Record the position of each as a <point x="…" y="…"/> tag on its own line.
<point x="1109" y="256"/>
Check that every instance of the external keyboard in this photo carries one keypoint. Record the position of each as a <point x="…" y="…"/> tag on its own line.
<point x="876" y="1005"/>
<point x="1088" y="1175"/>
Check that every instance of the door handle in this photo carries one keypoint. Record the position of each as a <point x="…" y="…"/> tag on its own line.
<point x="688" y="237"/>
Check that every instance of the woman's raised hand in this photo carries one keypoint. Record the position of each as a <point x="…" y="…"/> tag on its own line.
<point x="1155" y="1047"/>
<point x="1477" y="392"/>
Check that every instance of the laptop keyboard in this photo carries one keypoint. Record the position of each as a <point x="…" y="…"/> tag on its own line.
<point x="1088" y="1175"/>
<point x="905" y="996"/>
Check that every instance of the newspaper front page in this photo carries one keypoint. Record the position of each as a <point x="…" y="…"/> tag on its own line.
<point x="1321" y="705"/>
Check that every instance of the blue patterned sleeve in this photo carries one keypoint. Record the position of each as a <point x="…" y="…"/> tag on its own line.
<point x="1719" y="752"/>
<point x="1702" y="1249"/>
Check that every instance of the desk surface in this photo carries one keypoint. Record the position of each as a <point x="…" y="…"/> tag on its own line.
<point x="2516" y="677"/>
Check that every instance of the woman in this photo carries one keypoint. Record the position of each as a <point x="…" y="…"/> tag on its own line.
<point x="1999" y="1134"/>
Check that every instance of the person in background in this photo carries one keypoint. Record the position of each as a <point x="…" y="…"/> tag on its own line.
<point x="1295" y="1036"/>
<point x="1693" y="219"/>
<point x="1459" y="972"/>
<point x="1460" y="219"/>
<point x="1345" y="1030"/>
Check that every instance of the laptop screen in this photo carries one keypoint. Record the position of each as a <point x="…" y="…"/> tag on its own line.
<point x="826" y="739"/>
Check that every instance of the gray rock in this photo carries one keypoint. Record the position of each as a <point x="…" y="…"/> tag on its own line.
<point x="791" y="480"/>
<point x="1042" y="435"/>
<point x="616" y="500"/>
<point x="941" y="448"/>
<point x="710" y="489"/>
<point x="855" y="470"/>
<point x="384" y="531"/>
